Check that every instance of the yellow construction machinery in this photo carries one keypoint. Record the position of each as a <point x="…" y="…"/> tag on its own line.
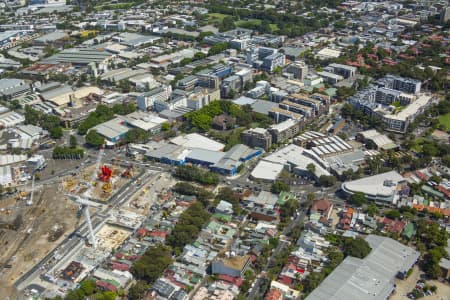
<point x="107" y="187"/>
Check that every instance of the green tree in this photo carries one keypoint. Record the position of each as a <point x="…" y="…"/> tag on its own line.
<point x="193" y="173"/>
<point x="335" y="258"/>
<point x="358" y="199"/>
<point x="138" y="290"/>
<point x="288" y="209"/>
<point x="88" y="286"/>
<point x="56" y="132"/>
<point x="151" y="265"/>
<point x="137" y="135"/>
<point x="430" y="263"/>
<point x="311" y="168"/>
<point x="392" y="214"/>
<point x="73" y="142"/>
<point x="76" y="294"/>
<point x="310" y="197"/>
<point x="94" y="139"/>
<point x="188" y="226"/>
<point x="227" y="24"/>
<point x="356" y="247"/>
<point x="327" y="181"/>
<point x="372" y="210"/>
<point x="227" y="194"/>
<point x="279" y="186"/>
<point x="165" y="126"/>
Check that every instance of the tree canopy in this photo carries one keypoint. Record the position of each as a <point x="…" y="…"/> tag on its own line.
<point x="358" y="199"/>
<point x="152" y="264"/>
<point x="104" y="113"/>
<point x="279" y="186"/>
<point x="48" y="122"/>
<point x="94" y="139"/>
<point x="188" y="226"/>
<point x="193" y="173"/>
<point x="227" y="194"/>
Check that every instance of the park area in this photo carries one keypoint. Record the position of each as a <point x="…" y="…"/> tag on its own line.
<point x="445" y="120"/>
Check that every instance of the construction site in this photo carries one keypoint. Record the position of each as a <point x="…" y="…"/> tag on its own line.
<point x="142" y="200"/>
<point x="29" y="230"/>
<point x="111" y="237"/>
<point x="102" y="180"/>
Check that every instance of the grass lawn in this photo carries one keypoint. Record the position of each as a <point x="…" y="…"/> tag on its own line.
<point x="216" y="17"/>
<point x="445" y="119"/>
<point x="254" y="22"/>
<point x="243" y="23"/>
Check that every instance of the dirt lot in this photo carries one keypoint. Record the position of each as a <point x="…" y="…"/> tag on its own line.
<point x="23" y="248"/>
<point x="149" y="194"/>
<point x="406" y="286"/>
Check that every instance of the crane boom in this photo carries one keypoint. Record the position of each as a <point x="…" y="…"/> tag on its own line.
<point x="30" y="201"/>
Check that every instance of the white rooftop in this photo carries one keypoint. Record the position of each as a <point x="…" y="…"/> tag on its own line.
<point x="383" y="185"/>
<point x="195" y="140"/>
<point x="266" y="170"/>
<point x="284" y="125"/>
<point x="371" y="278"/>
<point x="411" y="109"/>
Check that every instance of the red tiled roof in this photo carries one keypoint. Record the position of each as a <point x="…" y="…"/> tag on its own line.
<point x="321" y="205"/>
<point x="274" y="294"/>
<point x="398" y="226"/>
<point x="442" y="189"/>
<point x="421" y="175"/>
<point x="161" y="234"/>
<point x="285" y="280"/>
<point x="120" y="267"/>
<point x="106" y="285"/>
<point x="387" y="221"/>
<point x="142" y="231"/>
<point x="132" y="257"/>
<point x="119" y="255"/>
<point x="237" y="281"/>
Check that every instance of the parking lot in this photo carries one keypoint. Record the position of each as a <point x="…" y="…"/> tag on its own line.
<point x="406" y="286"/>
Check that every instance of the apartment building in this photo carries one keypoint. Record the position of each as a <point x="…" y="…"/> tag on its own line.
<point x="257" y="138"/>
<point x="285" y="130"/>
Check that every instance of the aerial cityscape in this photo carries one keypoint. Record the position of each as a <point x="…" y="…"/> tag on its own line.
<point x="224" y="149"/>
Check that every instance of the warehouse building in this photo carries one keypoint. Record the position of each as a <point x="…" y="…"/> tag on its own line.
<point x="374" y="139"/>
<point x="291" y="158"/>
<point x="11" y="119"/>
<point x="11" y="88"/>
<point x="80" y="57"/>
<point x="204" y="157"/>
<point x="382" y="188"/>
<point x="145" y="121"/>
<point x="113" y="130"/>
<point x="233" y="158"/>
<point x="322" y="145"/>
<point x="371" y="278"/>
<point x="168" y="154"/>
<point x="195" y="140"/>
